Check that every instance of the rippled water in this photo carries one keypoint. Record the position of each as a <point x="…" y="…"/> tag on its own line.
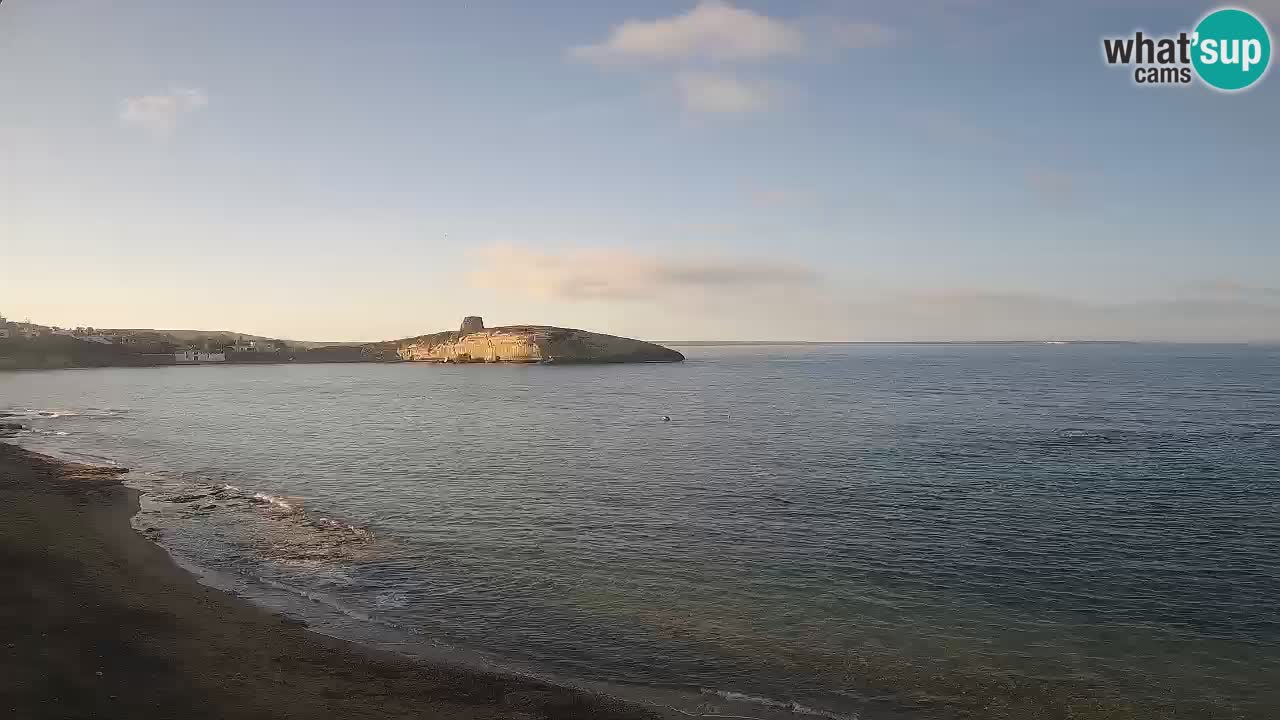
<point x="1084" y="531"/>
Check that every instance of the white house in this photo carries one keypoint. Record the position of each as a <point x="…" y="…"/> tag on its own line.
<point x="255" y="346"/>
<point x="199" y="356"/>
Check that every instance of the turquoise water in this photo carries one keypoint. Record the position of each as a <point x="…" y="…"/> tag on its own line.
<point x="939" y="531"/>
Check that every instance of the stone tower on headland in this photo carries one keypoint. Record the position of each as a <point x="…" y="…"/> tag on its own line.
<point x="471" y="324"/>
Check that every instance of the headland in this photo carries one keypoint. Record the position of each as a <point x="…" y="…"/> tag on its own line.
<point x="473" y="342"/>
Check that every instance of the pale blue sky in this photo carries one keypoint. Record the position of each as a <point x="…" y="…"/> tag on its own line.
<point x="963" y="169"/>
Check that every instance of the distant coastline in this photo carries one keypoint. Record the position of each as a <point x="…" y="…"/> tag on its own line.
<point x="61" y="352"/>
<point x="28" y="346"/>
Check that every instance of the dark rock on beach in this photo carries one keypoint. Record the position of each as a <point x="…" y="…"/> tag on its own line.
<point x="10" y="428"/>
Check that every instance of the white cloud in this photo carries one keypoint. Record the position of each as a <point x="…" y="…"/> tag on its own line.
<point x="991" y="315"/>
<point x="715" y="33"/>
<point x="831" y="313"/>
<point x="700" y="297"/>
<point x="594" y="273"/>
<point x="711" y="92"/>
<point x="713" y="30"/>
<point x="1232" y="290"/>
<point x="160" y="114"/>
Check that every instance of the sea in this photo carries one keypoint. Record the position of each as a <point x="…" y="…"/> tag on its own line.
<point x="1055" y="530"/>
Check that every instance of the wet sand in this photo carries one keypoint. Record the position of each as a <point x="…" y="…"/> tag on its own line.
<point x="97" y="622"/>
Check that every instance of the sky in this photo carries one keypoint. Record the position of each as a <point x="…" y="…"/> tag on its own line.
<point x="799" y="170"/>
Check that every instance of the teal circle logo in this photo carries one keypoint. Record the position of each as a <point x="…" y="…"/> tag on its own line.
<point x="1231" y="49"/>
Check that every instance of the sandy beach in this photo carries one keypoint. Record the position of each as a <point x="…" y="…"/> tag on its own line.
<point x="97" y="622"/>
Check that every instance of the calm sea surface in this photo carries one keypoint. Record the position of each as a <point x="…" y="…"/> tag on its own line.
<point x="1019" y="531"/>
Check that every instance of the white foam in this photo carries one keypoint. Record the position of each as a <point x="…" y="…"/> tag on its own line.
<point x="29" y="413"/>
<point x="328" y="524"/>
<point x="50" y="433"/>
<point x="50" y="414"/>
<point x="274" y="501"/>
<point x="393" y="600"/>
<point x="321" y="599"/>
<point x="790" y="706"/>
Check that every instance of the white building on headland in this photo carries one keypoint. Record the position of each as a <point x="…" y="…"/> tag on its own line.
<point x="199" y="356"/>
<point x="255" y="346"/>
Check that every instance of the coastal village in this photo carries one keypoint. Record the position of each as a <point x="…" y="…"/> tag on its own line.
<point x="213" y="348"/>
<point x="28" y="345"/>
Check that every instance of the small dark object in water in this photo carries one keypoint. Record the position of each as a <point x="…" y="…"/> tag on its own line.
<point x="666" y="418"/>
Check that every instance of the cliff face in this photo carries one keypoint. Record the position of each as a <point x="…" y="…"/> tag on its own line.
<point x="531" y="343"/>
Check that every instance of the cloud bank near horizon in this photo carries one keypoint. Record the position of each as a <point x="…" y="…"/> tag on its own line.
<point x="755" y="299"/>
<point x="619" y="274"/>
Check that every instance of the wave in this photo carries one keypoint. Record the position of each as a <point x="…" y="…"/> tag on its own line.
<point x="1082" y="436"/>
<point x="286" y="558"/>
<point x="790" y="706"/>
<point x="49" y="433"/>
<point x="277" y="503"/>
<point x="323" y="599"/>
<point x="29" y="413"/>
<point x="224" y="495"/>
<point x="50" y="414"/>
<point x="61" y="452"/>
<point x="298" y="569"/>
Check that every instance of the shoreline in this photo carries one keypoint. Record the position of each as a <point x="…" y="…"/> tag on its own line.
<point x="101" y="622"/>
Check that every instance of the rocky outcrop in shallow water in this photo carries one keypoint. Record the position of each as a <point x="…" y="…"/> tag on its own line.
<point x="530" y="343"/>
